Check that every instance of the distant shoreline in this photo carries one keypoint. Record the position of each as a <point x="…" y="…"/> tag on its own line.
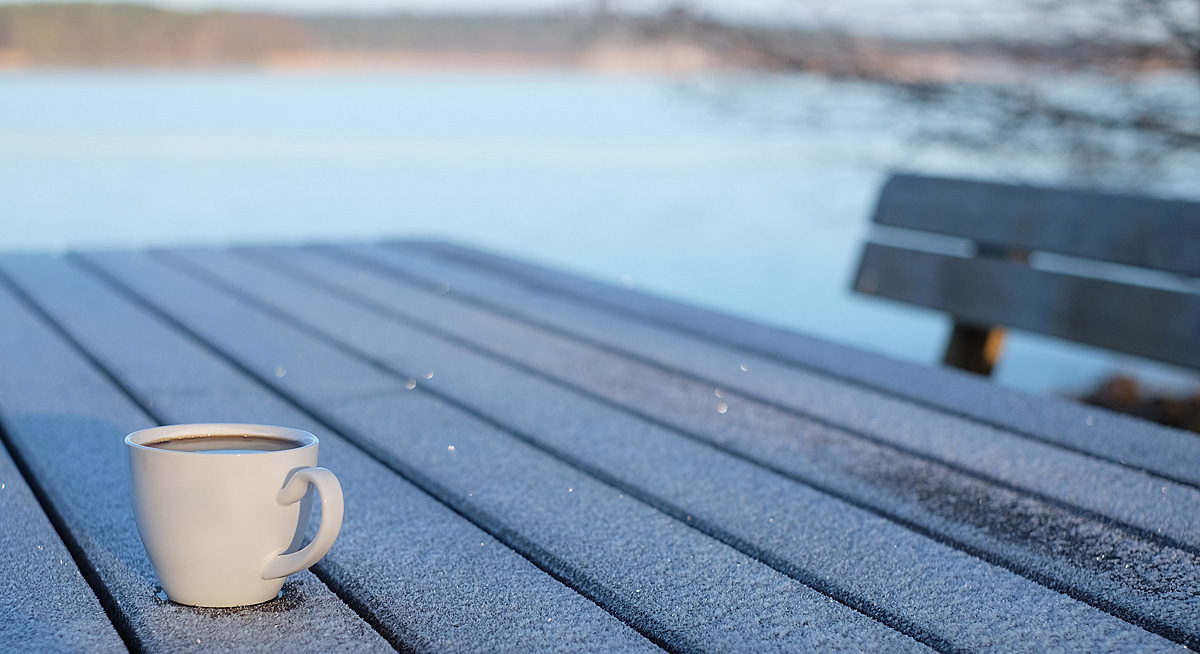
<point x="680" y="61"/>
<point x="667" y="60"/>
<point x="124" y="36"/>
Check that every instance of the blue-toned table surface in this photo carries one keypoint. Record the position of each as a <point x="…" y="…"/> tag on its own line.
<point x="536" y="462"/>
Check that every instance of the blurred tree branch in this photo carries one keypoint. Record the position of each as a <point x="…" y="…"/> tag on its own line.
<point x="1133" y="126"/>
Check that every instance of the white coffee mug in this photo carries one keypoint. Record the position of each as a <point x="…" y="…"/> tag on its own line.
<point x="223" y="527"/>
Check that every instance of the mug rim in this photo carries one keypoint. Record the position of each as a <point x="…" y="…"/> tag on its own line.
<point x="139" y="439"/>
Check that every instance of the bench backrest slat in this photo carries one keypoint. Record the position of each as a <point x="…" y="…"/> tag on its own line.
<point x="1140" y="231"/>
<point x="1158" y="324"/>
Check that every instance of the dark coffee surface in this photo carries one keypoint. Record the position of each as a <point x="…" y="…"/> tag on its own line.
<point x="236" y="444"/>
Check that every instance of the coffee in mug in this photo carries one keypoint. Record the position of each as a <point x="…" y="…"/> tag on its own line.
<point x="235" y="444"/>
<point x="222" y="508"/>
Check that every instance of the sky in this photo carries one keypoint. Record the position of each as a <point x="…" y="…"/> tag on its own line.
<point x="744" y="7"/>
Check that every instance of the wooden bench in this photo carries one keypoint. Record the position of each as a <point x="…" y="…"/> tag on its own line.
<point x="1116" y="271"/>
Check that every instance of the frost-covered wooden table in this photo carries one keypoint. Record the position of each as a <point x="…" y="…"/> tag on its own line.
<point x="535" y="462"/>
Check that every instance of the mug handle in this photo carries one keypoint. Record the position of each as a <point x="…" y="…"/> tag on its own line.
<point x="331" y="520"/>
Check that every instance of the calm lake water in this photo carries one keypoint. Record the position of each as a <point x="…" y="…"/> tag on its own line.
<point x="749" y="196"/>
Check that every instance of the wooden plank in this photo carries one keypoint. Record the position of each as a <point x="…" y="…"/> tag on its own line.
<point x="427" y="577"/>
<point x="937" y="499"/>
<point x="45" y="603"/>
<point x="1153" y="323"/>
<point x="687" y="590"/>
<point x="741" y="503"/>
<point x="647" y="354"/>
<point x="67" y="422"/>
<point x="1114" y="437"/>
<point x="1135" y="230"/>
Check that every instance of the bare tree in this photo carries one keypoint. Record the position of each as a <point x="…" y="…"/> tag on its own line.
<point x="1142" y="112"/>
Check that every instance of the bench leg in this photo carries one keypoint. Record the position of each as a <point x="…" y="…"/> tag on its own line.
<point x="973" y="348"/>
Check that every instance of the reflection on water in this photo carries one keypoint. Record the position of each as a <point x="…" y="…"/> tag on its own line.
<point x="633" y="180"/>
